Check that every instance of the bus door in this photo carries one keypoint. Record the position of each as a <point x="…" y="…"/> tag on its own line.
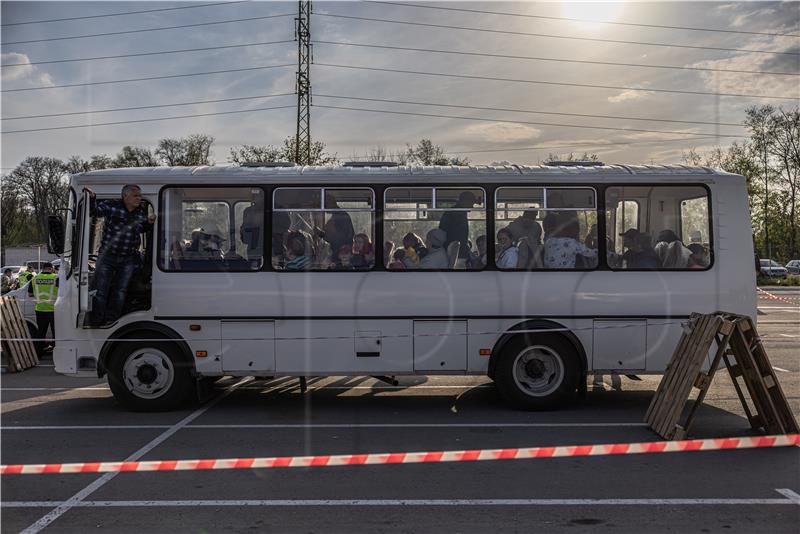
<point x="84" y="227"/>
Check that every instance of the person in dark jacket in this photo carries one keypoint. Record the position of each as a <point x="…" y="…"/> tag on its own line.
<point x="455" y="223"/>
<point x="640" y="253"/>
<point x="126" y="220"/>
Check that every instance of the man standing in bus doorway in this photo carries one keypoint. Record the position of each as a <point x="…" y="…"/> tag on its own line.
<point x="125" y="221"/>
<point x="44" y="288"/>
<point x="456" y="223"/>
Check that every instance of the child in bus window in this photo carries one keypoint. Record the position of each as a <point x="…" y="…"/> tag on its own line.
<point x="363" y="252"/>
<point x="398" y="257"/>
<point x="296" y="252"/>
<point x="345" y="258"/>
<point x="507" y="254"/>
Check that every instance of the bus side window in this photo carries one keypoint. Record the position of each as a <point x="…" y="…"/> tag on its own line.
<point x="658" y="228"/>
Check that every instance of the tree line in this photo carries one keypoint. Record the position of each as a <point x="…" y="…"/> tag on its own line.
<point x="769" y="159"/>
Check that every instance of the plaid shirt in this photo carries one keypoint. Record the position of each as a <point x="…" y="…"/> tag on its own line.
<point x="122" y="228"/>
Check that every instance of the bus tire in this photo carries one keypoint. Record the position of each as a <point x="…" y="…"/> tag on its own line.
<point x="538" y="372"/>
<point x="149" y="376"/>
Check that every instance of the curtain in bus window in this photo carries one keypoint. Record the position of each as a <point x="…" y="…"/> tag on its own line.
<point x="658" y="227"/>
<point x="545" y="228"/>
<point x="323" y="229"/>
<point x="435" y="228"/>
<point x="212" y="229"/>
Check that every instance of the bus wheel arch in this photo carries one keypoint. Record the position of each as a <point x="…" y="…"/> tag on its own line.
<point x="560" y="354"/>
<point x="140" y="330"/>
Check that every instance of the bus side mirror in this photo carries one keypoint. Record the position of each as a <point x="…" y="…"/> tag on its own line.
<point x="55" y="235"/>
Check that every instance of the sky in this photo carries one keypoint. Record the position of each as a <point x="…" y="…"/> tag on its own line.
<point x="510" y="132"/>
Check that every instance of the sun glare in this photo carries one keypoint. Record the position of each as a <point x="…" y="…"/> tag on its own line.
<point x="592" y="12"/>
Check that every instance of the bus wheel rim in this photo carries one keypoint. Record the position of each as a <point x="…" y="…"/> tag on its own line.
<point x="148" y="373"/>
<point x="538" y="370"/>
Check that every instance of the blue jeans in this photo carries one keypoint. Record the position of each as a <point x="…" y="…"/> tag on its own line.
<point x="112" y="274"/>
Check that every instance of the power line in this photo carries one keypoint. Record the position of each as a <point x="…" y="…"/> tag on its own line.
<point x="662" y="26"/>
<point x="145" y="79"/>
<point x="160" y="52"/>
<point x="530" y="34"/>
<point x="148" y="29"/>
<point x="567" y="84"/>
<point x="584" y="115"/>
<point x="152" y="106"/>
<point x="123" y="13"/>
<point x="144" y="120"/>
<point x="558" y="125"/>
<point x="576" y="145"/>
<point x="538" y="58"/>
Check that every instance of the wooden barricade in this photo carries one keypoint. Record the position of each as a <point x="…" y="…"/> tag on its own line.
<point x="734" y="336"/>
<point x="18" y="350"/>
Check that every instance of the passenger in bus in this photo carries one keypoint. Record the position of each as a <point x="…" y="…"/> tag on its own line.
<point x="206" y="244"/>
<point x="344" y="259"/>
<point x="126" y="220"/>
<point x="296" y="253"/>
<point x="397" y="263"/>
<point x="527" y="234"/>
<point x="415" y="250"/>
<point x="562" y="250"/>
<point x="639" y="253"/>
<point x="388" y="251"/>
<point x="436" y="256"/>
<point x="363" y="252"/>
<point x="699" y="257"/>
<point x="507" y="255"/>
<point x="671" y="251"/>
<point x="477" y="259"/>
<point x="338" y="230"/>
<point x="455" y="223"/>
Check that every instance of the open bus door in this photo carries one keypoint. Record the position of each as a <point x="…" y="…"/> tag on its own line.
<point x="84" y="228"/>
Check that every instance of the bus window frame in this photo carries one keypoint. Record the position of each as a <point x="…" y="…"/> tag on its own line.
<point x="651" y="185"/>
<point x="160" y="241"/>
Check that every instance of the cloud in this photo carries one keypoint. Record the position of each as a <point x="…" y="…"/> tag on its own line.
<point x="25" y="72"/>
<point x="502" y="132"/>
<point x="629" y="94"/>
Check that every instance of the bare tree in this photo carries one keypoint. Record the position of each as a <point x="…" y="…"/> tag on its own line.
<point x="185" y="151"/>
<point x="41" y="183"/>
<point x="134" y="156"/>
<point x="286" y="152"/>
<point x="760" y="124"/>
<point x="785" y="148"/>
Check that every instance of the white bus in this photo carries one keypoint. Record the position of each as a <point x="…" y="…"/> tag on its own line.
<point x="548" y="273"/>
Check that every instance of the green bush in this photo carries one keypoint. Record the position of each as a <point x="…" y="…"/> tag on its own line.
<point x="790" y="281"/>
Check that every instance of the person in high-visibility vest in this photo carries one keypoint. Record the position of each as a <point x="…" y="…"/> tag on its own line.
<point x="25" y="276"/>
<point x="44" y="288"/>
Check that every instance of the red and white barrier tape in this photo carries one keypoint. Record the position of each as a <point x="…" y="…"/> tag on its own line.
<point x="691" y="445"/>
<point x="776" y="297"/>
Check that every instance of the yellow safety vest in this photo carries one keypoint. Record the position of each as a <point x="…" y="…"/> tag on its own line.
<point x="45" y="291"/>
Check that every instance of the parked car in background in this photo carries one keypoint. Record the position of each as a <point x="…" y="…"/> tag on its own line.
<point x="793" y="267"/>
<point x="36" y="265"/>
<point x="773" y="269"/>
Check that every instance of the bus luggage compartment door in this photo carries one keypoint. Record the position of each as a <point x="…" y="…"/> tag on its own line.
<point x="440" y="345"/>
<point x="619" y="345"/>
<point x="248" y="346"/>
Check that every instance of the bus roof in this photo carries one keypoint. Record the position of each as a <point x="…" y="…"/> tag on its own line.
<point x="476" y="173"/>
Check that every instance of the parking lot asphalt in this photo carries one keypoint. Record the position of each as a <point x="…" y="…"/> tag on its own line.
<point x="50" y="418"/>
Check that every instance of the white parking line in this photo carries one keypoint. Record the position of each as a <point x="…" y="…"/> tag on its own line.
<point x="78" y="498"/>
<point x="788" y="335"/>
<point x="781" y="369"/>
<point x="411" y="502"/>
<point x="329" y="425"/>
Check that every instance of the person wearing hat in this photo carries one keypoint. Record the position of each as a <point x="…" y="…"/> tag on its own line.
<point x="436" y="258"/>
<point x="639" y="253"/>
<point x="44" y="288"/>
<point x="126" y="219"/>
<point x="206" y="243"/>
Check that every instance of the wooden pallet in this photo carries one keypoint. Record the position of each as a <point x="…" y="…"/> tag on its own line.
<point x="734" y="336"/>
<point x="18" y="350"/>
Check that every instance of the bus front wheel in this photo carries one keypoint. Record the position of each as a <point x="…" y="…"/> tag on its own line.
<point x="149" y="376"/>
<point x="537" y="372"/>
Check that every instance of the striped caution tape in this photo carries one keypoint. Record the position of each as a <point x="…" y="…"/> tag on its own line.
<point x="691" y="445"/>
<point x="773" y="296"/>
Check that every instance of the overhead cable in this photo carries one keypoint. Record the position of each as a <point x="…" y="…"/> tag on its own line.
<point x="558" y="60"/>
<point x="145" y="79"/>
<point x="92" y="125"/>
<point x="148" y="29"/>
<point x="194" y="6"/>
<point x="547" y="82"/>
<point x="701" y="135"/>
<point x="564" y="114"/>
<point x="139" y="54"/>
<point x="573" y="19"/>
<point x="551" y="36"/>
<point x="152" y="106"/>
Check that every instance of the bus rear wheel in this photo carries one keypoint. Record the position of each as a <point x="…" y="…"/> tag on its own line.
<point x="538" y="372"/>
<point x="149" y="376"/>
